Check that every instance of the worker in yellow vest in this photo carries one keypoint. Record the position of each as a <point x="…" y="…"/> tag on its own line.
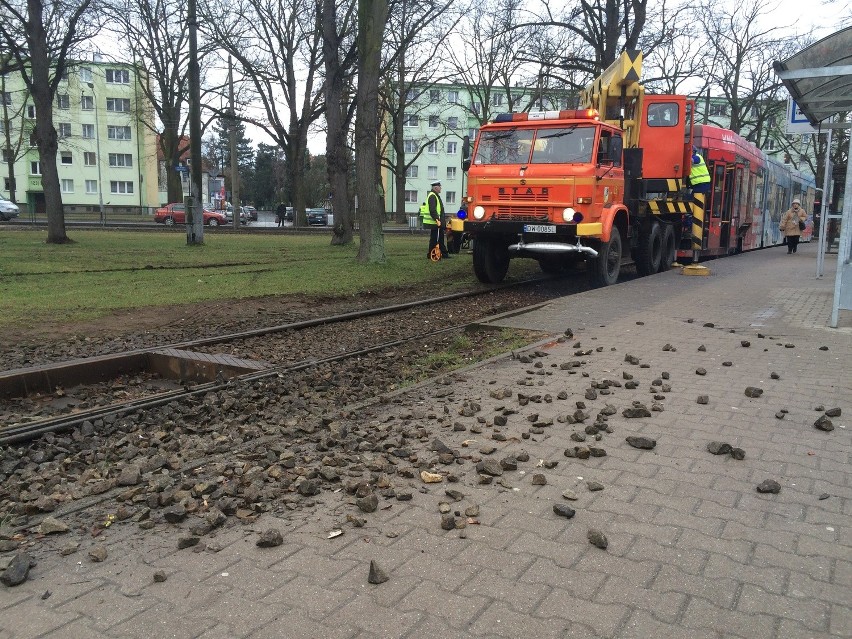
<point x="432" y="213"/>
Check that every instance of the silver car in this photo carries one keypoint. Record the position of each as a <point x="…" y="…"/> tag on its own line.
<point x="8" y="209"/>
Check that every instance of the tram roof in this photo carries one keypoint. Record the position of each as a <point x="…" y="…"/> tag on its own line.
<point x="820" y="77"/>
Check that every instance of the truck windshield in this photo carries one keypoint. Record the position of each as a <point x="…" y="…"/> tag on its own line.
<point x="506" y="146"/>
<point x="569" y="145"/>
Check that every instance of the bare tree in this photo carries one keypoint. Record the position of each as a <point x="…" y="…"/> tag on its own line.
<point x="416" y="30"/>
<point x="739" y="51"/>
<point x="339" y="57"/>
<point x="278" y="47"/>
<point x="372" y="17"/>
<point x="40" y="37"/>
<point x="486" y="63"/>
<point x="15" y="130"/>
<point x="155" y="35"/>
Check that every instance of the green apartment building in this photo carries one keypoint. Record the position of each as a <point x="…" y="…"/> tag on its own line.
<point x="107" y="154"/>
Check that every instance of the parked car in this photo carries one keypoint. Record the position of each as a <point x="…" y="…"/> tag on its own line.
<point x="8" y="209"/>
<point x="316" y="217"/>
<point x="176" y="214"/>
<point x="251" y="213"/>
<point x="229" y="214"/>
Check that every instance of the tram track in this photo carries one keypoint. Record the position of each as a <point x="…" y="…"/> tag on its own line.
<point x="22" y="429"/>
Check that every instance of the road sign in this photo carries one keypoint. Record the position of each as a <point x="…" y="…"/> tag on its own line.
<point x="180" y="168"/>
<point x="797" y="122"/>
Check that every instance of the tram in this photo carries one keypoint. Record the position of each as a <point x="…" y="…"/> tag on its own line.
<point x="749" y="193"/>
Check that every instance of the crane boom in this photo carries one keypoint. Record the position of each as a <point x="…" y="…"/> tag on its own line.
<point x="617" y="95"/>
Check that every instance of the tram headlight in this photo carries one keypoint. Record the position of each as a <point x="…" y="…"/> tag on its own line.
<point x="479" y="212"/>
<point x="568" y="214"/>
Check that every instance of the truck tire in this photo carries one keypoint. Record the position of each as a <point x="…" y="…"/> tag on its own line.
<point x="605" y="268"/>
<point x="669" y="256"/>
<point x="650" y="249"/>
<point x="490" y="259"/>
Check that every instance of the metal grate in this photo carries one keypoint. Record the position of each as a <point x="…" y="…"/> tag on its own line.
<point x="532" y="213"/>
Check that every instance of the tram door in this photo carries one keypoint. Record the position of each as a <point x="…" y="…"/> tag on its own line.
<point x="717" y="205"/>
<point x="727" y="207"/>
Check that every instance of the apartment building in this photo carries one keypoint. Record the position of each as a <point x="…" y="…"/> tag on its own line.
<point x="107" y="155"/>
<point x="437" y="119"/>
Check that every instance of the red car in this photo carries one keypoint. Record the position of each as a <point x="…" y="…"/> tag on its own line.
<point x="176" y="214"/>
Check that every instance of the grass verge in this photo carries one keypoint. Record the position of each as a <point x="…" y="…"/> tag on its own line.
<point x="107" y="271"/>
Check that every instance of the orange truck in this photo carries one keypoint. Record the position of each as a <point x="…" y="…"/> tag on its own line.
<point x="605" y="184"/>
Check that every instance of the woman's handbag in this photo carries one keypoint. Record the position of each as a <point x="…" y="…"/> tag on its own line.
<point x="801" y="225"/>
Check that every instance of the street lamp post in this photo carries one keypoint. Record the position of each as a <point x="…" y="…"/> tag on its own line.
<point x="98" y="158"/>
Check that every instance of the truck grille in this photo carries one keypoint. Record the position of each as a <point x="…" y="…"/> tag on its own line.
<point x="532" y="213"/>
<point x="522" y="197"/>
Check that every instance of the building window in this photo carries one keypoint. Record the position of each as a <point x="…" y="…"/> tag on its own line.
<point x="91" y="186"/>
<point x="452" y="147"/>
<point x="450" y="197"/>
<point x="89" y="158"/>
<point x="718" y="109"/>
<point x="7" y="155"/>
<point x="769" y="145"/>
<point x="63" y="101"/>
<point x="118" y="132"/>
<point x="117" y="186"/>
<point x="6" y="185"/>
<point x="452" y="97"/>
<point x="410" y="95"/>
<point x="67" y="185"/>
<point x="31" y="113"/>
<point x="121" y="105"/>
<point x="117" y="76"/>
<point x="475" y="107"/>
<point x="64" y="129"/>
<point x="410" y="119"/>
<point x="432" y="172"/>
<point x="497" y="99"/>
<point x="409" y="146"/>
<point x="434" y="96"/>
<point x="453" y="122"/>
<point x="471" y="134"/>
<point x="410" y="196"/>
<point x="35" y="167"/>
<point x="87" y="102"/>
<point x="67" y="158"/>
<point x="411" y="171"/>
<point x="7" y="98"/>
<point x="120" y="159"/>
<point x="432" y="148"/>
<point x="433" y="121"/>
<point x="451" y="173"/>
<point x="89" y="131"/>
<point x="85" y="74"/>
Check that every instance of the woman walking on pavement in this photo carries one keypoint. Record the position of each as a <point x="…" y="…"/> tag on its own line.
<point x="792" y="225"/>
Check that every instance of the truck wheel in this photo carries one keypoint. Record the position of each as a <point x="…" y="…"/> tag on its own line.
<point x="604" y="269"/>
<point x="669" y="255"/>
<point x="650" y="249"/>
<point x="490" y="260"/>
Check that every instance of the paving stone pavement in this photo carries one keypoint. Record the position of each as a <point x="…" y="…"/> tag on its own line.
<point x="694" y="550"/>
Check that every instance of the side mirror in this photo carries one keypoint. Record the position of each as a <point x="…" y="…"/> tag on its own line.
<point x="465" y="153"/>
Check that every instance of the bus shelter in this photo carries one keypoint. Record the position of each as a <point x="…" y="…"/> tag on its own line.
<point x="819" y="78"/>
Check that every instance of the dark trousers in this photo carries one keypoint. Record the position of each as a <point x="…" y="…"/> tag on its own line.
<point x="436" y="238"/>
<point x="792" y="243"/>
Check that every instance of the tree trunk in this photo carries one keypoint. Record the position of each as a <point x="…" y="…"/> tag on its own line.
<point x="296" y="174"/>
<point x="337" y="161"/>
<point x="45" y="132"/>
<point x="372" y="16"/>
<point x="170" y="146"/>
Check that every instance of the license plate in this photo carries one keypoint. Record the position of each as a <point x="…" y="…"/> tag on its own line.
<point x="539" y="228"/>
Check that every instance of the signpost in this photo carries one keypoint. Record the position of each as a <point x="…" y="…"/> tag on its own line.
<point x="797" y="122"/>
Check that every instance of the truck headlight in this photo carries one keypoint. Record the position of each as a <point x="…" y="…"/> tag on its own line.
<point x="568" y="214"/>
<point x="479" y="212"/>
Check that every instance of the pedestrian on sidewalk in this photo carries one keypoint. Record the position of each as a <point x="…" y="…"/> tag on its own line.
<point x="792" y="225"/>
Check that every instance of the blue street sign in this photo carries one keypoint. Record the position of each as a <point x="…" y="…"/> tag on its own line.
<point x="181" y="168"/>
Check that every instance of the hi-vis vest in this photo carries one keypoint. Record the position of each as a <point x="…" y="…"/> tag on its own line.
<point x="427" y="218"/>
<point x="699" y="173"/>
